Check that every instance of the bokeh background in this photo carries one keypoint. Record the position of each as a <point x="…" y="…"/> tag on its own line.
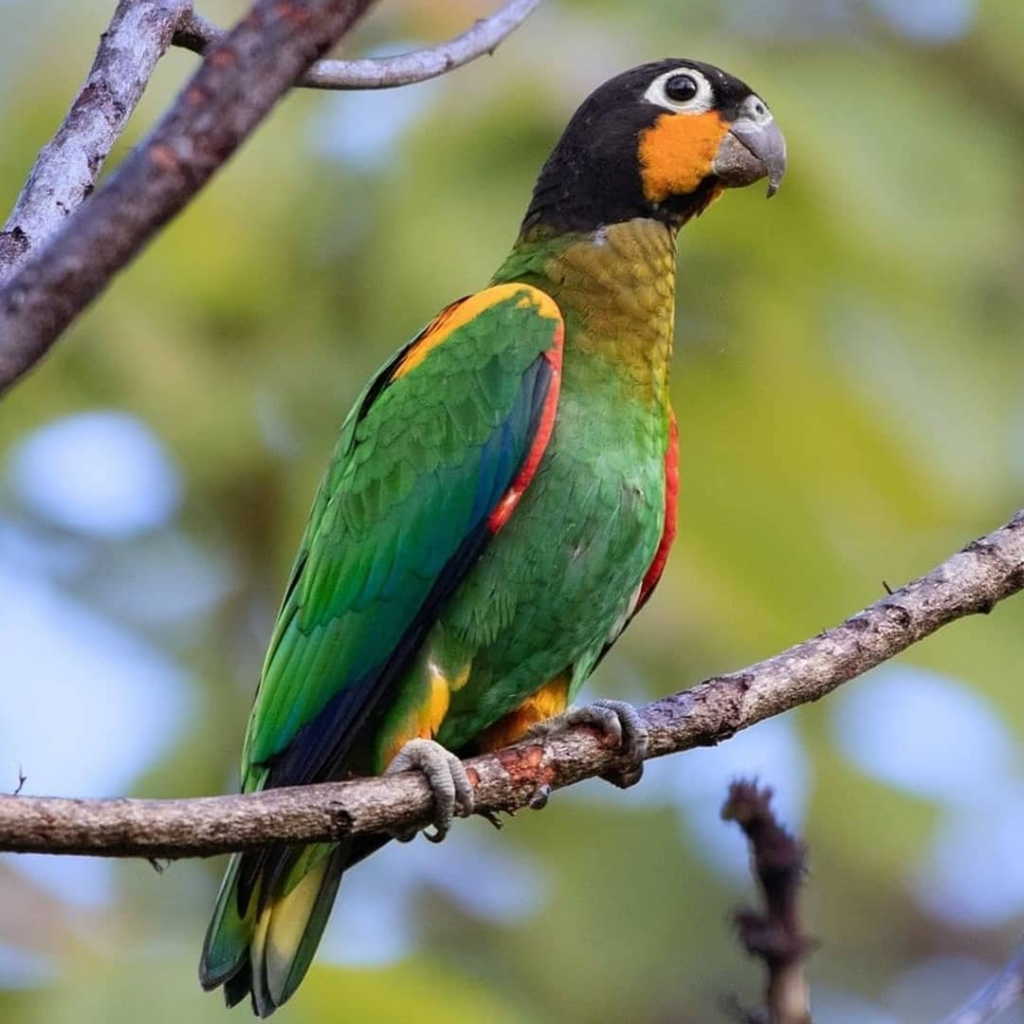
<point x="848" y="378"/>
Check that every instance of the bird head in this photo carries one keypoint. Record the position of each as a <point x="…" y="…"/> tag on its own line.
<point x="661" y="140"/>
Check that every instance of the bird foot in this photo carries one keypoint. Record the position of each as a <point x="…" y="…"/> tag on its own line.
<point x="448" y="781"/>
<point x="621" y="724"/>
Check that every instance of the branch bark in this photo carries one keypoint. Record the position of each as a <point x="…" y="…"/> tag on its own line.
<point x="973" y="581"/>
<point x="196" y="33"/>
<point x="241" y="78"/>
<point x="243" y="75"/>
<point x="67" y="167"/>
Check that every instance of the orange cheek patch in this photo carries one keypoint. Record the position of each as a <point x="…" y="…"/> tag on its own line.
<point x="677" y="151"/>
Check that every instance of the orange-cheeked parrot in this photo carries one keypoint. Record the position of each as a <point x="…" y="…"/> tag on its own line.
<point x="499" y="505"/>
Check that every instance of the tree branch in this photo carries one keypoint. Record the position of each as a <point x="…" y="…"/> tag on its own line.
<point x="973" y="581"/>
<point x="197" y="34"/>
<point x="67" y="167"/>
<point x="241" y="78"/>
<point x="996" y="995"/>
<point x="775" y="934"/>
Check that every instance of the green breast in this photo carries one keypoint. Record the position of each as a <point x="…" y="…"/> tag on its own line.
<point x="551" y="588"/>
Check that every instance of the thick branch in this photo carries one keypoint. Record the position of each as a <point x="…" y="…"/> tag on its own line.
<point x="67" y="167"/>
<point x="196" y="33"/>
<point x="972" y="581"/>
<point x="239" y="81"/>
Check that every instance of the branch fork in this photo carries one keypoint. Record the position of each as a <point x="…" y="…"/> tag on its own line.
<point x="58" y="253"/>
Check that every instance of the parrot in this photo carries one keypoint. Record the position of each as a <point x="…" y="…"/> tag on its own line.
<point x="500" y="503"/>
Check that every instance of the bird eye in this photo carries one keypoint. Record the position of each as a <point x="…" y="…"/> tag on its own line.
<point x="681" y="88"/>
<point x="685" y="91"/>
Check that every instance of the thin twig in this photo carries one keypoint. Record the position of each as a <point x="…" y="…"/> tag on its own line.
<point x="775" y="934"/>
<point x="970" y="582"/>
<point x="240" y="79"/>
<point x="67" y="167"/>
<point x="196" y="33"/>
<point x="996" y="995"/>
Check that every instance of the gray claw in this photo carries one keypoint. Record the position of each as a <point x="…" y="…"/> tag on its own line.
<point x="620" y="722"/>
<point x="447" y="778"/>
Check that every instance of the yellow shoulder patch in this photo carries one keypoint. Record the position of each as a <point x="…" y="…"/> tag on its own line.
<point x="458" y="314"/>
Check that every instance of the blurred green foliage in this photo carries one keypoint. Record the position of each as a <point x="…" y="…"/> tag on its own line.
<point x="847" y="379"/>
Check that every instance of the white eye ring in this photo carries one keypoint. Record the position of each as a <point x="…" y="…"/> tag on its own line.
<point x="703" y="101"/>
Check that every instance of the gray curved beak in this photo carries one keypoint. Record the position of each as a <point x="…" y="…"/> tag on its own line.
<point x="753" y="149"/>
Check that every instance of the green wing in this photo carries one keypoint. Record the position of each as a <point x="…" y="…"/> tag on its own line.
<point x="428" y="467"/>
<point x="433" y="445"/>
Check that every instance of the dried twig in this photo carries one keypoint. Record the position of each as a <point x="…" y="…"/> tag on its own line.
<point x="241" y="78"/>
<point x="970" y="582"/>
<point x="197" y="34"/>
<point x="67" y="167"/>
<point x="774" y="934"/>
<point x="996" y="995"/>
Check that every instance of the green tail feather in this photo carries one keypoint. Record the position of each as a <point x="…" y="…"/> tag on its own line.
<point x="288" y="933"/>
<point x="267" y="952"/>
<point x="226" y="948"/>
